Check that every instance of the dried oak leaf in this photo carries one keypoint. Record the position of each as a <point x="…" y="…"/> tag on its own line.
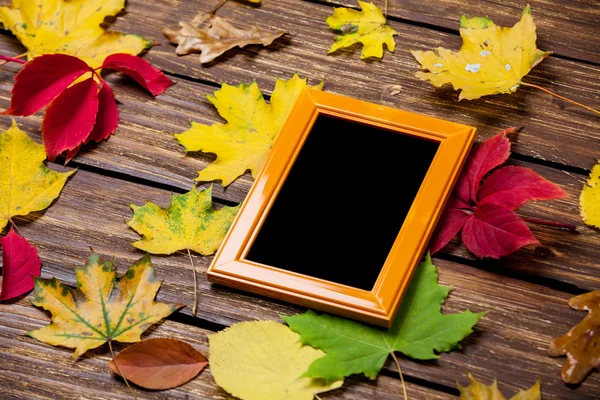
<point x="491" y="60"/>
<point x="104" y="310"/>
<point x="215" y="39"/>
<point x="581" y="344"/>
<point x="20" y="263"/>
<point x="70" y="27"/>
<point x="589" y="200"/>
<point x="478" y="391"/>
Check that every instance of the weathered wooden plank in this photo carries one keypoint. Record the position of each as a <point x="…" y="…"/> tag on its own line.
<point x="31" y="369"/>
<point x="567" y="27"/>
<point x="523" y="317"/>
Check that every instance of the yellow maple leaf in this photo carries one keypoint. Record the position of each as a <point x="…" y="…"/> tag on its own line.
<point x="264" y="360"/>
<point x="105" y="312"/>
<point x="478" y="391"/>
<point x="367" y="26"/>
<point x="69" y="27"/>
<point x="589" y="200"/>
<point x="491" y="60"/>
<point x="26" y="185"/>
<point x="245" y="141"/>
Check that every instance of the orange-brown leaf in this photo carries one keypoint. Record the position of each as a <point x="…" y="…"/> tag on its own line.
<point x="215" y="39"/>
<point x="581" y="344"/>
<point x="159" y="363"/>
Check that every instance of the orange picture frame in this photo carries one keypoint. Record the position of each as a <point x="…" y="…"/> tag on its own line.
<point x="379" y="305"/>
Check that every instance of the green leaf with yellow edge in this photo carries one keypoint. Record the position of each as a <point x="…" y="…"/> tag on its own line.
<point x="26" y="185"/>
<point x="478" y="391"/>
<point x="245" y="140"/>
<point x="264" y="360"/>
<point x="69" y="27"/>
<point x="491" y="60"/>
<point x="367" y="26"/>
<point x="106" y="309"/>
<point x="419" y="330"/>
<point x="589" y="200"/>
<point x="191" y="222"/>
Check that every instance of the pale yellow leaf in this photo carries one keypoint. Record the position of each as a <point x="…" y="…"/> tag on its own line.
<point x="478" y="391"/>
<point x="589" y="200"/>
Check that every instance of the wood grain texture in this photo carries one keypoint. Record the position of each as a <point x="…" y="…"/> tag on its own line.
<point x="568" y="27"/>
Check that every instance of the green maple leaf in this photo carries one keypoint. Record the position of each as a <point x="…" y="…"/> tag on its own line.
<point x="420" y="331"/>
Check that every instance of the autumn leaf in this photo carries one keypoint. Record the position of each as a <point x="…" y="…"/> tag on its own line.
<point x="419" y="331"/>
<point x="485" y="212"/>
<point x="215" y="39"/>
<point x="26" y="185"/>
<point x="20" y="263"/>
<point x="70" y="27"/>
<point x="105" y="309"/>
<point x="589" y="200"/>
<point x="245" y="141"/>
<point x="478" y="391"/>
<point x="77" y="113"/>
<point x="491" y="60"/>
<point x="367" y="26"/>
<point x="264" y="360"/>
<point x="190" y="223"/>
<point x="159" y="364"/>
<point x="581" y="344"/>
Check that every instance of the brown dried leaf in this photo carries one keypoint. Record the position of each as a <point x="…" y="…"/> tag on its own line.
<point x="215" y="39"/>
<point x="581" y="344"/>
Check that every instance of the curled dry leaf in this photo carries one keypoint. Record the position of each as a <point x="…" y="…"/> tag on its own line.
<point x="478" y="391"/>
<point x="581" y="344"/>
<point x="159" y="363"/>
<point x="20" y="263"/>
<point x="215" y="39"/>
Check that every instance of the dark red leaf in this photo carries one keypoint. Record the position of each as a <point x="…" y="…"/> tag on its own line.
<point x="450" y="224"/>
<point x="70" y="118"/>
<point x="41" y="80"/>
<point x="20" y="262"/>
<point x="139" y="69"/>
<point x="494" y="231"/>
<point x="159" y="363"/>
<point x="512" y="187"/>
<point x="108" y="115"/>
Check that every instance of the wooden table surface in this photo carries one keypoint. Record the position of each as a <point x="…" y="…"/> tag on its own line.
<point x="526" y="294"/>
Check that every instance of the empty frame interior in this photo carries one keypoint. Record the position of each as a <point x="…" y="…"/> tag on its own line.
<point x="343" y="202"/>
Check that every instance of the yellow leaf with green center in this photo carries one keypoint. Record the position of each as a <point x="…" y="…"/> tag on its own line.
<point x="491" y="60"/>
<point x="191" y="222"/>
<point x="69" y="27"/>
<point x="368" y="27"/>
<point x="264" y="360"/>
<point x="106" y="310"/>
<point x="26" y="185"/>
<point x="589" y="200"/>
<point x="245" y="140"/>
<point x="478" y="391"/>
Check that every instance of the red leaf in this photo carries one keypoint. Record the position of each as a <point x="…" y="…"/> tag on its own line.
<point x="450" y="224"/>
<point x="512" y="187"/>
<point x="20" y="262"/>
<point x="494" y="231"/>
<point x="70" y="118"/>
<point x="41" y="80"/>
<point x="108" y="115"/>
<point x="159" y="363"/>
<point x="139" y="69"/>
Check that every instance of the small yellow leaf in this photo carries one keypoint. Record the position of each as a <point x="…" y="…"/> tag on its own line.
<point x="491" y="60"/>
<point x="245" y="141"/>
<point x="26" y="185"/>
<point x="589" y="200"/>
<point x="264" y="360"/>
<point x="190" y="222"/>
<point x="103" y="312"/>
<point x="69" y="27"/>
<point x="478" y="391"/>
<point x="368" y="27"/>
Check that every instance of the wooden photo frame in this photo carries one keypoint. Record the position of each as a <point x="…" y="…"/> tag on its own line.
<point x="388" y="174"/>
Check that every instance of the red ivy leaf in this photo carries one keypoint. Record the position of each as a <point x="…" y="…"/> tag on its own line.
<point x="152" y="79"/>
<point x="20" y="262"/>
<point x="108" y="115"/>
<point x="451" y="222"/>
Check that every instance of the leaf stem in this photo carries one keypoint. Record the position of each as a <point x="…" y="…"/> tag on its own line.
<point x="120" y="371"/>
<point x="14" y="227"/>
<point x="570" y="227"/>
<point x="13" y="59"/>
<point x="560" y="97"/>
<point x="385" y="8"/>
<point x="194" y="308"/>
<point x="401" y="376"/>
<point x="219" y="5"/>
